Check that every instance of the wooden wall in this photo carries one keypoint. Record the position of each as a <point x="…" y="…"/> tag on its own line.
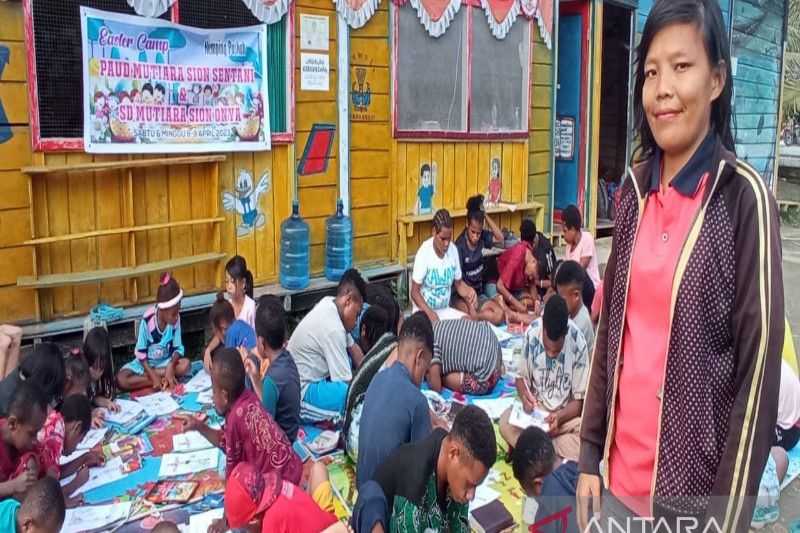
<point x="757" y="44"/>
<point x="463" y="171"/>
<point x="540" y="155"/>
<point x="15" y="153"/>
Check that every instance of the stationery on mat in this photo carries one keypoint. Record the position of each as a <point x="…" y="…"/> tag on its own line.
<point x="494" y="407"/>
<point x="522" y="420"/>
<point x="128" y="411"/>
<point x="171" y="492"/>
<point x="93" y="517"/>
<point x="92" y="438"/>
<point x="100" y="475"/>
<point x="179" y="464"/>
<point x="199" y="382"/>
<point x="189" y="442"/>
<point x="491" y="518"/>
<point x="159" y="404"/>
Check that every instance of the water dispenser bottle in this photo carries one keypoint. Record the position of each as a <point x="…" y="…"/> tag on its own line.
<point x="295" y="254"/>
<point x="338" y="243"/>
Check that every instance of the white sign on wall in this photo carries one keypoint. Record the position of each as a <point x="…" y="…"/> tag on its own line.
<point x="314" y="32"/>
<point x="314" y="72"/>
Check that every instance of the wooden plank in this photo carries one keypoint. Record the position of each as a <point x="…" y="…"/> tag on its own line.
<point x="378" y="26"/>
<point x="412" y="175"/>
<point x="13" y="189"/>
<point x="460" y="176"/>
<point x="363" y="134"/>
<point x="157" y="192"/>
<point x="245" y="244"/>
<point x="57" y="214"/>
<point x="15" y="225"/>
<point x="318" y="201"/>
<point x="369" y="164"/>
<point x="462" y="212"/>
<point x="369" y="249"/>
<point x="126" y="229"/>
<point x="309" y="113"/>
<point x="375" y="49"/>
<point x="83" y="253"/>
<point x="369" y="192"/>
<point x="80" y="278"/>
<point x="449" y="172"/>
<point x="17" y="305"/>
<point x="16" y="151"/>
<point x="140" y="239"/>
<point x="124" y="164"/>
<point x="276" y="163"/>
<point x="284" y="194"/>
<point x="12" y="27"/>
<point x="203" y="203"/>
<point x="520" y="152"/>
<point x="507" y="171"/>
<point x="16" y="262"/>
<point x="437" y="155"/>
<point x="17" y="65"/>
<point x="14" y="96"/>
<point x="477" y="163"/>
<point x="371" y="221"/>
<point x="110" y="200"/>
<point x="378" y="78"/>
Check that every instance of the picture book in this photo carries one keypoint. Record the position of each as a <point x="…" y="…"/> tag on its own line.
<point x="172" y="492"/>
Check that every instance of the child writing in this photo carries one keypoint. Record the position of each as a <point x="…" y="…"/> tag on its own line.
<point x="239" y="292"/>
<point x="230" y="332"/>
<point x="101" y="391"/>
<point x="43" y="368"/>
<point x="249" y="434"/>
<point x="580" y="248"/>
<point x="553" y="374"/>
<point x="518" y="270"/>
<point x="26" y="415"/>
<point x="279" y="389"/>
<point x="42" y="509"/>
<point x="159" y="349"/>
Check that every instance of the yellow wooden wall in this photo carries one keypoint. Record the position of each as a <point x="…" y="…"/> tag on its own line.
<point x="463" y="171"/>
<point x="15" y="153"/>
<point x="541" y="137"/>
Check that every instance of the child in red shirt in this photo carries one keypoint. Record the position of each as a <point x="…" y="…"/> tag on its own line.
<point x="18" y="430"/>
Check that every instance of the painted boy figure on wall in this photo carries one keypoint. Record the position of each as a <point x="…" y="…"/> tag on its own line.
<point x="495" y="190"/>
<point x="427" y="188"/>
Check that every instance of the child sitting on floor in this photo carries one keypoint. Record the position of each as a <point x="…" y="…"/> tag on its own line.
<point x="553" y="371"/>
<point x="230" y="331"/>
<point x="97" y="351"/>
<point x="427" y="485"/>
<point x="378" y="342"/>
<point x="548" y="479"/>
<point x="239" y="292"/>
<point x="250" y="433"/>
<point x="42" y="509"/>
<point x="43" y="368"/>
<point x="159" y="348"/>
<point x="279" y="389"/>
<point x="470" y="245"/>
<point x="395" y="412"/>
<point x="580" y="248"/>
<point x="265" y="503"/>
<point x="437" y="274"/>
<point x="570" y="279"/>
<point x="26" y="416"/>
<point x="466" y="357"/>
<point x="320" y="346"/>
<point x="518" y="273"/>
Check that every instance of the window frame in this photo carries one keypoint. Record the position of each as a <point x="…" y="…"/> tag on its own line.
<point x="75" y="144"/>
<point x="466" y="134"/>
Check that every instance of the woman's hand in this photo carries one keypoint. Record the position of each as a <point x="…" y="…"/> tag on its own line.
<point x="587" y="493"/>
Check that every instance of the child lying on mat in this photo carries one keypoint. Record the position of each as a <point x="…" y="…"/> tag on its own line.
<point x="159" y="348"/>
<point x="466" y="357"/>
<point x="258" y="502"/>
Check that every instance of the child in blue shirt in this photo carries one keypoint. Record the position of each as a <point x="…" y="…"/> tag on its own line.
<point x="159" y="349"/>
<point x="41" y="511"/>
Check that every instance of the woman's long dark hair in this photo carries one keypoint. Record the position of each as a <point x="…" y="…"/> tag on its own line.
<point x="707" y="16"/>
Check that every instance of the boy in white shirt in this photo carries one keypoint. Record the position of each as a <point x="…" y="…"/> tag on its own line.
<point x="569" y="280"/>
<point x="437" y="269"/>
<point x="324" y="351"/>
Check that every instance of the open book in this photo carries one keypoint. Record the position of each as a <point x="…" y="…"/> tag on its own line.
<point x="522" y="420"/>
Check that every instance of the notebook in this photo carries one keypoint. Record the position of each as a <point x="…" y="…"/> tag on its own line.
<point x="491" y="518"/>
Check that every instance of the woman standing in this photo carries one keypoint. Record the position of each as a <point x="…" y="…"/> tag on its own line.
<point x="682" y="396"/>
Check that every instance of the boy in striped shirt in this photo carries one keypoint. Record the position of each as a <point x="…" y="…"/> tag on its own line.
<point x="466" y="357"/>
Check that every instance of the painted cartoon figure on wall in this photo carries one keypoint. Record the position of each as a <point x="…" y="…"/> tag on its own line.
<point x="495" y="190"/>
<point x="427" y="188"/>
<point x="244" y="200"/>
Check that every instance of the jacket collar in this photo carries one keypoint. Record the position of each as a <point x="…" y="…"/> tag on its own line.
<point x="686" y="182"/>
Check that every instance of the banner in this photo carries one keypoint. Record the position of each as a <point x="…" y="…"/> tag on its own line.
<point x="151" y="86"/>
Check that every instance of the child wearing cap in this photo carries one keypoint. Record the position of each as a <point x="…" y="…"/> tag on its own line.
<point x="265" y="503"/>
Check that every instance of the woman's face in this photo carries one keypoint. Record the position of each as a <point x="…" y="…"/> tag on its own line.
<point x="679" y="89"/>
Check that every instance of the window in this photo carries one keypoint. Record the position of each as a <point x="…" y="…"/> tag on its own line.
<point x="56" y="84"/>
<point x="465" y="83"/>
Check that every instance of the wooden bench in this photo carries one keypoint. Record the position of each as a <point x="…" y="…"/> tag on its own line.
<point x="406" y="223"/>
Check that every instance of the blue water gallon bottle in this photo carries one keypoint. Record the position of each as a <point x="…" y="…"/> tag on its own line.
<point x="295" y="254"/>
<point x="338" y="243"/>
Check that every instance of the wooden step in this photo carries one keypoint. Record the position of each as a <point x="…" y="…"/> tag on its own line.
<point x="492" y="210"/>
<point x="98" y="166"/>
<point x="95" y="276"/>
<point x="118" y="231"/>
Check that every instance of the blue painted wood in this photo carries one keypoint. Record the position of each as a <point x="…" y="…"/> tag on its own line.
<point x="568" y="104"/>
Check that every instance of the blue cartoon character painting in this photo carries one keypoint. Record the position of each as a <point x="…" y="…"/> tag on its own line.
<point x="427" y="188"/>
<point x="244" y="200"/>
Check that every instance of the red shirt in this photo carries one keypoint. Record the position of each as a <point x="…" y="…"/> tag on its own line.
<point x="253" y="436"/>
<point x="511" y="265"/>
<point x="294" y="511"/>
<point x="665" y="224"/>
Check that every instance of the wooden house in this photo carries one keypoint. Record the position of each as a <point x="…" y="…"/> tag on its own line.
<point x="458" y="92"/>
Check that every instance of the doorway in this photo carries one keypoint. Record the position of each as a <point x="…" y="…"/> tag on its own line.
<point x="615" y="106"/>
<point x="569" y="144"/>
